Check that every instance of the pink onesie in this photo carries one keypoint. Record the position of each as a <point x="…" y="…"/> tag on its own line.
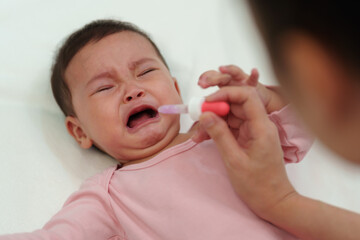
<point x="182" y="193"/>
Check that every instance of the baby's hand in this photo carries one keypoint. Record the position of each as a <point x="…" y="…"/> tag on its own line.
<point x="232" y="75"/>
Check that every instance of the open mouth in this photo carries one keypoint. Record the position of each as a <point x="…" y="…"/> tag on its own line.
<point x="141" y="115"/>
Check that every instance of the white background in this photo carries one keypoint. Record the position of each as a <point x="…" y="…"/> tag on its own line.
<point x="41" y="165"/>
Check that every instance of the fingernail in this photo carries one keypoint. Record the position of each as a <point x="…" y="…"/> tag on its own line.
<point x="202" y="82"/>
<point x="207" y="121"/>
<point x="223" y="67"/>
<point x="203" y="77"/>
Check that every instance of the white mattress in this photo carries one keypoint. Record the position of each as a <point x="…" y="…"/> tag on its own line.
<point x="41" y="165"/>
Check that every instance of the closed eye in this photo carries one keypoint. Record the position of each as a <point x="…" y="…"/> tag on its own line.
<point x="103" y="89"/>
<point x="147" y="71"/>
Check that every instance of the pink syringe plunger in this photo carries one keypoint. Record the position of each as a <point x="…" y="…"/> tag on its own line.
<point x="196" y="107"/>
<point x="219" y="108"/>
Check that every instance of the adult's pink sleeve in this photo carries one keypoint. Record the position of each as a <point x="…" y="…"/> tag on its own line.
<point x="87" y="214"/>
<point x="295" y="140"/>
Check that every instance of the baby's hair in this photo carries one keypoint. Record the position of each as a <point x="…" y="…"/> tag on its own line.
<point x="335" y="24"/>
<point x="92" y="32"/>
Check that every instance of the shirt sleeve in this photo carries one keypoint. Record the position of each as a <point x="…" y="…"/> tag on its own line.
<point x="295" y="140"/>
<point x="87" y="214"/>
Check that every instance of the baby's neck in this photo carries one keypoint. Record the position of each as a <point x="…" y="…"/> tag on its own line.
<point x="178" y="139"/>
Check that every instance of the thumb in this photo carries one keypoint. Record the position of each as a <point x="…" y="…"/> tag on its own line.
<point x="200" y="135"/>
<point x="219" y="131"/>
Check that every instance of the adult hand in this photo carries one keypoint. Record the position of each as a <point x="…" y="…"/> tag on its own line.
<point x="250" y="147"/>
<point x="232" y="75"/>
<point x="254" y="161"/>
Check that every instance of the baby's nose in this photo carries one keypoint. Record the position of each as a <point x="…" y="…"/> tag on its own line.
<point x="133" y="94"/>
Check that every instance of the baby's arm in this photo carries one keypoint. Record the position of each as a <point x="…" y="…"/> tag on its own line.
<point x="87" y="214"/>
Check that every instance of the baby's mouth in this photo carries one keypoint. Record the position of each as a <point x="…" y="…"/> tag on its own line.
<point x="141" y="115"/>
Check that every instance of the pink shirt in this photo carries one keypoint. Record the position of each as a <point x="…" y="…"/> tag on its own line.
<point x="182" y="193"/>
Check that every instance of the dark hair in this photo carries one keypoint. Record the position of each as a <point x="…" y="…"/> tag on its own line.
<point x="335" y="24"/>
<point x="92" y="32"/>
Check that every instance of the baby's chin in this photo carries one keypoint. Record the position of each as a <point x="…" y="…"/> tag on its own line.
<point x="148" y="144"/>
<point x="152" y="139"/>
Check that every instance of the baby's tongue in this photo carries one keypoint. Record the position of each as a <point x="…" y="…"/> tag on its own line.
<point x="138" y="119"/>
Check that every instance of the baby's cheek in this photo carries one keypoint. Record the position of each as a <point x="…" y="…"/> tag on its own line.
<point x="172" y="97"/>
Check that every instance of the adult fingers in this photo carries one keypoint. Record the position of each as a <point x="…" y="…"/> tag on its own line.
<point x="200" y="135"/>
<point x="233" y="121"/>
<point x="213" y="78"/>
<point x="246" y="96"/>
<point x="219" y="131"/>
<point x="253" y="78"/>
<point x="235" y="72"/>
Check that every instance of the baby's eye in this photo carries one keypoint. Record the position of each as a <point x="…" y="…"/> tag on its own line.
<point x="103" y="89"/>
<point x="147" y="71"/>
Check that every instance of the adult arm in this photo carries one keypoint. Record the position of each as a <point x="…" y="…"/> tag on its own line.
<point x="254" y="161"/>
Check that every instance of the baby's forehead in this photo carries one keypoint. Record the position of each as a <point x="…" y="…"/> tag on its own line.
<point x="124" y="44"/>
<point x="122" y="48"/>
<point x="126" y="40"/>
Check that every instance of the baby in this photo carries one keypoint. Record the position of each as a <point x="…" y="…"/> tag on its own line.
<point x="109" y="78"/>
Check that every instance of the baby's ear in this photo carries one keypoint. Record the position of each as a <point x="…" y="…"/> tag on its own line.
<point x="75" y="130"/>
<point x="176" y="85"/>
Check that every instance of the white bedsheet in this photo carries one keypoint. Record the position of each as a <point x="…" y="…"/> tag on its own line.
<point x="41" y="165"/>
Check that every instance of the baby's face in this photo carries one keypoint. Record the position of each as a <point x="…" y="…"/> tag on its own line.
<point x="117" y="84"/>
